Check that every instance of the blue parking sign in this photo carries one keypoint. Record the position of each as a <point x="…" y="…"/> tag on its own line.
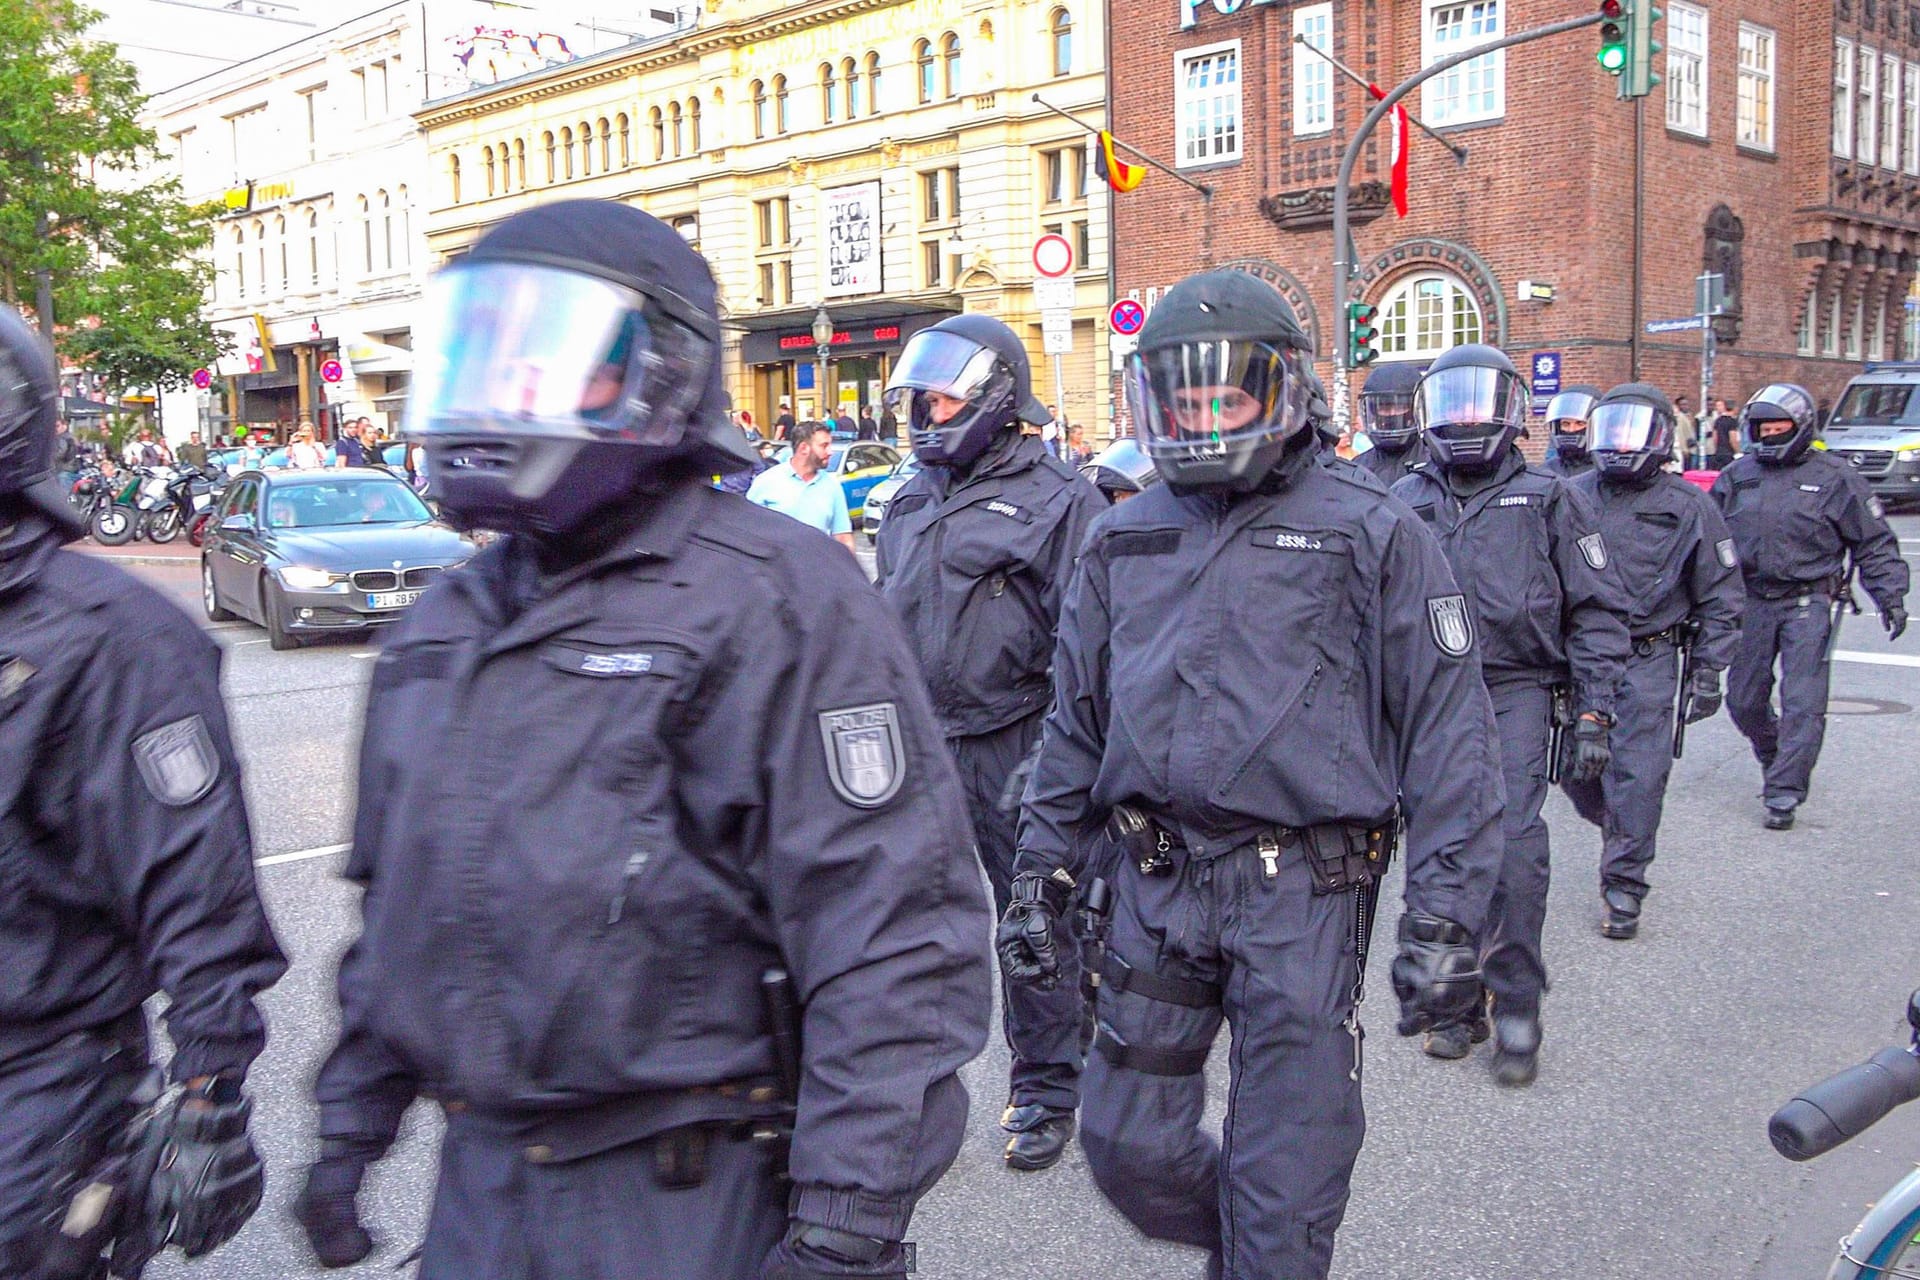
<point x="1545" y="378"/>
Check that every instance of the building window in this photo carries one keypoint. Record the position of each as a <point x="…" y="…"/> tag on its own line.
<point x="405" y="256"/>
<point x="280" y="242"/>
<point x="923" y="69"/>
<point x="873" y="84"/>
<point x="260" y="251"/>
<point x="940" y="195"/>
<point x="1859" y="321"/>
<point x="693" y="124"/>
<point x="520" y="163"/>
<point x="658" y="119"/>
<point x="1843" y="97"/>
<point x="486" y="159"/>
<point x="1877" y="335"/>
<point x="1687" y="69"/>
<point x="386" y="231"/>
<point x="453" y="175"/>
<point x="566" y="153"/>
<point x="758" y="97"/>
<point x="1064" y="175"/>
<point x="1476" y="89"/>
<point x="366" y="235"/>
<point x="1060" y="30"/>
<point x="1425" y="315"/>
<point x="1910" y="99"/>
<point x="546" y="141"/>
<point x="1754" y="125"/>
<point x="181" y="141"/>
<point x="1830" y="340"/>
<point x="1866" y="130"/>
<point x="773" y="237"/>
<point x="1083" y="244"/>
<point x="239" y="263"/>
<point x="772" y="222"/>
<point x="1312" y="74"/>
<point x="679" y="129"/>
<point x="829" y="93"/>
<point x="850" y="80"/>
<point x="1889" y="111"/>
<point x="606" y="147"/>
<point x="688" y="225"/>
<point x="782" y="119"/>
<point x="1206" y="100"/>
<point x="313" y="247"/>
<point x="310" y="118"/>
<point x="932" y="264"/>
<point x="586" y="148"/>
<point x="1803" y="337"/>
<point x="950" y="65"/>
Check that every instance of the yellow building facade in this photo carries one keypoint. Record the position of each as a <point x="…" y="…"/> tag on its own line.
<point x="883" y="160"/>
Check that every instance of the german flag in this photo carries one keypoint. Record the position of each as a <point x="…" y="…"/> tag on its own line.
<point x="1114" y="171"/>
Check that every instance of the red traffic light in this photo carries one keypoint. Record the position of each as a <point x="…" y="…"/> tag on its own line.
<point x="1610" y="8"/>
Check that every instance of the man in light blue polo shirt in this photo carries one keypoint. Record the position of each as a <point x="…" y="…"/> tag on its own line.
<point x="803" y="488"/>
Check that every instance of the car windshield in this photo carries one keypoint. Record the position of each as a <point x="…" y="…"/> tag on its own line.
<point x="347" y="501"/>
<point x="1881" y="404"/>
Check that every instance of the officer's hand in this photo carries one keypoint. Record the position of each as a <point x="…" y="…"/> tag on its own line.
<point x="328" y="1207"/>
<point x="1025" y="936"/>
<point x="195" y="1179"/>
<point x="1436" y="975"/>
<point x="1894" y="619"/>
<point x="1706" y="695"/>
<point x="811" y="1252"/>
<point x="1591" y="753"/>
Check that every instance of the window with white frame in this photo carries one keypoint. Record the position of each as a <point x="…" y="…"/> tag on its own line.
<point x="1830" y="340"/>
<point x="1803" y="338"/>
<point x="1856" y="327"/>
<point x="1889" y="111"/>
<point x="1312" y="74"/>
<point x="1753" y="124"/>
<point x="1426" y="314"/>
<point x="1206" y="100"/>
<point x="1476" y="89"/>
<point x="1866" y="128"/>
<point x="1877" y="335"/>
<point x="1843" y="97"/>
<point x="1687" y="69"/>
<point x="1910" y="98"/>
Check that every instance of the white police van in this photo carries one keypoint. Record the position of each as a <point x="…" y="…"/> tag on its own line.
<point x="1875" y="429"/>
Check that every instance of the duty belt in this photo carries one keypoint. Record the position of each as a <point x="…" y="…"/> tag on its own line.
<point x="1339" y="855"/>
<point x="1643" y="646"/>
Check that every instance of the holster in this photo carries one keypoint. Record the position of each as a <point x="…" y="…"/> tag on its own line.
<point x="1141" y="839"/>
<point x="1341" y="856"/>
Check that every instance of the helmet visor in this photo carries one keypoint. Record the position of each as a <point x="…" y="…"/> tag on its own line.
<point x="1389" y="413"/>
<point x="1470" y="396"/>
<point x="944" y="362"/>
<point x="1569" y="407"/>
<point x="520" y="349"/>
<point x="1622" y="427"/>
<point x="1215" y="392"/>
<point x="1779" y="400"/>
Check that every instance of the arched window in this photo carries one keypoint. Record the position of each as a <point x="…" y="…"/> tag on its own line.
<point x="406" y="226"/>
<point x="505" y="151"/>
<point x="757" y="93"/>
<point x="486" y="158"/>
<point x="586" y="148"/>
<point x="260" y="251"/>
<point x="679" y="131"/>
<point x="923" y="68"/>
<point x="873" y="84"/>
<point x="829" y="89"/>
<point x="850" y="78"/>
<point x="313" y="247"/>
<point x="280" y="240"/>
<point x="546" y="140"/>
<point x="566" y="152"/>
<point x="950" y="65"/>
<point x="1060" y="28"/>
<point x="366" y="234"/>
<point x="1424" y="315"/>
<point x="606" y="147"/>
<point x="520" y="163"/>
<point x="781" y="119"/>
<point x="239" y="263"/>
<point x="658" y="120"/>
<point x="693" y="123"/>
<point x="386" y="230"/>
<point x="626" y="143"/>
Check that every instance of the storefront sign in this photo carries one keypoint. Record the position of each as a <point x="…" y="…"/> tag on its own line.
<point x="853" y="240"/>
<point x="1190" y="9"/>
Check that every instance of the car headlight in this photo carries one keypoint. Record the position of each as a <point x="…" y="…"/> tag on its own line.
<point x="1908" y="450"/>
<point x="308" y="579"/>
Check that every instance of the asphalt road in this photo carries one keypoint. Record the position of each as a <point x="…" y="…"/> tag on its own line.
<point x="1766" y="961"/>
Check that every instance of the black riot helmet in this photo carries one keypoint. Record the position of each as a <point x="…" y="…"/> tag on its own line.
<point x="960" y="384"/>
<point x="29" y="416"/>
<point x="1774" y="403"/>
<point x="1222" y="383"/>
<point x="1121" y="470"/>
<point x="1631" y="432"/>
<point x="1472" y="405"/>
<point x="1567" y="415"/>
<point x="572" y="357"/>
<point x="1386" y="407"/>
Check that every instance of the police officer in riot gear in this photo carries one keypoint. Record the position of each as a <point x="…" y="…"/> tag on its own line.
<point x="1549" y="611"/>
<point x="1386" y="414"/>
<point x="1803" y="523"/>
<point x="128" y="870"/>
<point x="1121" y="470"/>
<point x="608" y="814"/>
<point x="975" y="554"/>
<point x="1567" y="415"/>
<point x="1677" y="563"/>
<point x="1287" y="657"/>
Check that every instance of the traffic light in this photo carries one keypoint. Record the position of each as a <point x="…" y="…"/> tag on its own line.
<point x="1640" y="77"/>
<point x="1613" y="38"/>
<point x="1361" y="334"/>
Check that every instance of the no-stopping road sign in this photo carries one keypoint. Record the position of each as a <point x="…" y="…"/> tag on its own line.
<point x="1126" y="317"/>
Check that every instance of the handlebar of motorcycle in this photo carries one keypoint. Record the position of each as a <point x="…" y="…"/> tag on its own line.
<point x="1823" y="1116"/>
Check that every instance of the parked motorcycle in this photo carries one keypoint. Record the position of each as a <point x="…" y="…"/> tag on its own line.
<point x="188" y="493"/>
<point x="116" y="516"/>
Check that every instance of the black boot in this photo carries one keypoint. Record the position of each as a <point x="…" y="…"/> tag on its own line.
<point x="1457" y="1039"/>
<point x="1622" y="914"/>
<point x="1040" y="1135"/>
<point x="1779" y="816"/>
<point x="1516" y="1058"/>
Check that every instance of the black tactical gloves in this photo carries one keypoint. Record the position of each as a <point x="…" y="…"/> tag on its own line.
<point x="328" y="1206"/>
<point x="193" y="1177"/>
<point x="812" y="1252"/>
<point x="1025" y="936"/>
<point x="1436" y="975"/>
<point x="1707" y="696"/>
<point x="1590" y="750"/>
<point x="1894" y="619"/>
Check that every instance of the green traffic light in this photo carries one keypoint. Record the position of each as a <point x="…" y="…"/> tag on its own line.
<point x="1613" y="58"/>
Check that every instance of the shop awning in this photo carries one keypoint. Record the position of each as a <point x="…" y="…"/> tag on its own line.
<point x="847" y="312"/>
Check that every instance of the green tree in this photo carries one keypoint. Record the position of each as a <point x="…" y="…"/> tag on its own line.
<point x="124" y="253"/>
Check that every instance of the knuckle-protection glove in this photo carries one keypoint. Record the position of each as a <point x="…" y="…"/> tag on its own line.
<point x="1025" y="936"/>
<point x="328" y="1207"/>
<point x="812" y="1252"/>
<point x="1894" y="619"/>
<point x="1707" y="696"/>
<point x="1436" y="974"/>
<point x="1591" y="752"/>
<point x="201" y="1177"/>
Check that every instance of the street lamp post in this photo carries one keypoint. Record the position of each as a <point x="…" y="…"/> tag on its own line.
<point x="822" y="346"/>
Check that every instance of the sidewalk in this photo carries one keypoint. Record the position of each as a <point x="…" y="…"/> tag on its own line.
<point x="140" y="551"/>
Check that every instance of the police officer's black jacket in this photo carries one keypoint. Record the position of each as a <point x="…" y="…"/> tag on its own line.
<point x="976" y="564"/>
<point x="1290" y="657"/>
<point x="1567" y="468"/>
<point x="1794" y="526"/>
<point x="585" y="831"/>
<point x="1675" y="559"/>
<point x="126" y="865"/>
<point x="1388" y="468"/>
<point x="1528" y="551"/>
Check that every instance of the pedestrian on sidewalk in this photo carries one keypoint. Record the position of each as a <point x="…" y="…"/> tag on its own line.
<point x="803" y="488"/>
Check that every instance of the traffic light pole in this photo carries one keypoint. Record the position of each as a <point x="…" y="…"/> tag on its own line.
<point x="1342" y="240"/>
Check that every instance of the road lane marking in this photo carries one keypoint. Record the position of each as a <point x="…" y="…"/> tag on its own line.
<point x="1877" y="659"/>
<point x="300" y="855"/>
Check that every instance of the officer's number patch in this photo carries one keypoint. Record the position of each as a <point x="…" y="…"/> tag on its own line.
<point x="1594" y="549"/>
<point x="866" y="761"/>
<point x="1452" y="625"/>
<point x="177" y="761"/>
<point x="1728" y="556"/>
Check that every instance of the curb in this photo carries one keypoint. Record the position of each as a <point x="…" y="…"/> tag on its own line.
<point x="143" y="560"/>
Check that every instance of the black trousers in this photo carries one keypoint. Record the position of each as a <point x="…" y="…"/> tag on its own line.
<point x="1793" y="632"/>
<point x="1626" y="802"/>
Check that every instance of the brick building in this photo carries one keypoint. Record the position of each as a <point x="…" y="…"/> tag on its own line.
<point x="1782" y="149"/>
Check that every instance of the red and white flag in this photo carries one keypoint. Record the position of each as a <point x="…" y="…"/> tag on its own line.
<point x="1399" y="152"/>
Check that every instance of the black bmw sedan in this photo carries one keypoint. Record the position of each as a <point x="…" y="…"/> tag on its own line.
<point x="304" y="552"/>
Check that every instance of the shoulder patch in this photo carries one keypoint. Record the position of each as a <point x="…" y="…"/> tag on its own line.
<point x="1728" y="555"/>
<point x="1141" y="542"/>
<point x="177" y="761"/>
<point x="1594" y="548"/>
<point x="1451" y="623"/>
<point x="866" y="760"/>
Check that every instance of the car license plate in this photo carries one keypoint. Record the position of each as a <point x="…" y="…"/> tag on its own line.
<point x="391" y="599"/>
